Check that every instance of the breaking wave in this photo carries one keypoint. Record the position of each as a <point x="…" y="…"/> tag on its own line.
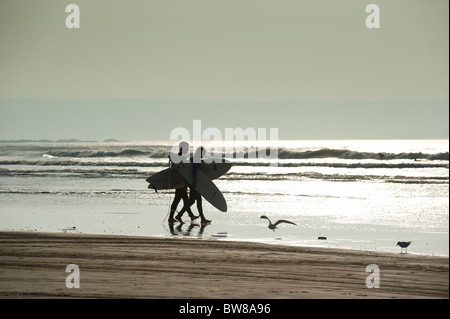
<point x="282" y="154"/>
<point x="81" y="154"/>
<point x="143" y="173"/>
<point x="347" y="154"/>
<point x="163" y="164"/>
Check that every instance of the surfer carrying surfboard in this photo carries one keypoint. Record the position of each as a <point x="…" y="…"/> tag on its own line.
<point x="196" y="175"/>
<point x="195" y="196"/>
<point x="181" y="193"/>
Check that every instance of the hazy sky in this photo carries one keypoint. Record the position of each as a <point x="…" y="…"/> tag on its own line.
<point x="137" y="69"/>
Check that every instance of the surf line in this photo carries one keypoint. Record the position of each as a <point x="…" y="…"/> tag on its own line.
<point x="250" y="136"/>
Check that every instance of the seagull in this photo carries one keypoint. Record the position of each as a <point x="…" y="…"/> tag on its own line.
<point x="274" y="226"/>
<point x="404" y="244"/>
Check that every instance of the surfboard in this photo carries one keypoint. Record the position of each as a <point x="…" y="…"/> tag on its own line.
<point x="215" y="170"/>
<point x="204" y="186"/>
<point x="166" y="179"/>
<point x="170" y="178"/>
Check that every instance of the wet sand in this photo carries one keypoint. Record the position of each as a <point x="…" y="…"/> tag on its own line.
<point x="33" y="265"/>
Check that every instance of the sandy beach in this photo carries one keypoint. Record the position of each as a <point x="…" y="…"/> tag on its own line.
<point x="33" y="265"/>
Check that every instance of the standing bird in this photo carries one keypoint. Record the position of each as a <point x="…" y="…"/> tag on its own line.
<point x="274" y="226"/>
<point x="404" y="244"/>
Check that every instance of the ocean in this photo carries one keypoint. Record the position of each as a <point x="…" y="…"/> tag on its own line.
<point x="357" y="194"/>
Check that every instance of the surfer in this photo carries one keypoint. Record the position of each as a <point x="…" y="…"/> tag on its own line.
<point x="195" y="196"/>
<point x="181" y="193"/>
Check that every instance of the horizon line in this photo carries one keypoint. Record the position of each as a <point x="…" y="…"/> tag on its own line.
<point x="114" y="140"/>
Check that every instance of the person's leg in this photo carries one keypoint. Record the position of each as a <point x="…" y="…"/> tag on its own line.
<point x="197" y="197"/>
<point x="186" y="207"/>
<point x="173" y="207"/>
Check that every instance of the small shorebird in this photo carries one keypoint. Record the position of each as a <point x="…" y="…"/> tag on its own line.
<point x="404" y="244"/>
<point x="274" y="226"/>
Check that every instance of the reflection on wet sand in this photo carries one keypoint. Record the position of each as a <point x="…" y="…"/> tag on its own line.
<point x="187" y="231"/>
<point x="179" y="231"/>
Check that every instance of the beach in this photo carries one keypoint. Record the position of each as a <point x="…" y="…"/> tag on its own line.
<point x="33" y="265"/>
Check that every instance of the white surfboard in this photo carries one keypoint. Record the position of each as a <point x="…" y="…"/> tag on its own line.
<point x="204" y="186"/>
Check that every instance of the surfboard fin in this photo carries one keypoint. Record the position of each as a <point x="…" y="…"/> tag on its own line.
<point x="153" y="187"/>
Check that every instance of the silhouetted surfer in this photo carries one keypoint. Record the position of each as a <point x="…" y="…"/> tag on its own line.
<point x="194" y="196"/>
<point x="181" y="193"/>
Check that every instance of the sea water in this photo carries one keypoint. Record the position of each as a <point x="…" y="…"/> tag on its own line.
<point x="361" y="194"/>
